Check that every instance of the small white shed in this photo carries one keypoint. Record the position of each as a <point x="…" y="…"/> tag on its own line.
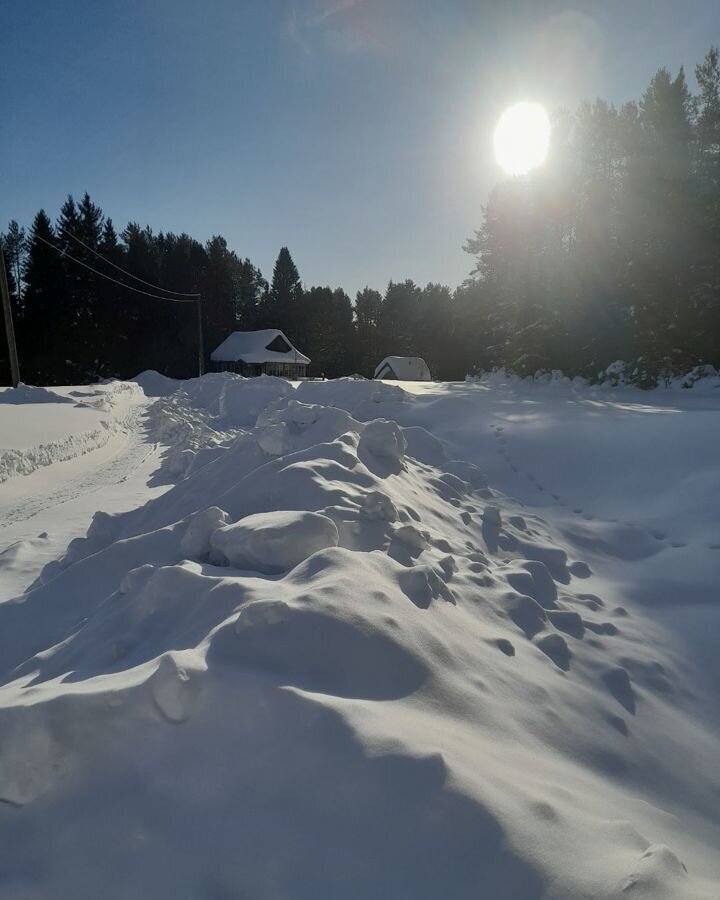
<point x="403" y="368"/>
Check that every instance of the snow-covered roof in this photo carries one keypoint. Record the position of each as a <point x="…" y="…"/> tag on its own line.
<point x="252" y="347"/>
<point x="404" y="368"/>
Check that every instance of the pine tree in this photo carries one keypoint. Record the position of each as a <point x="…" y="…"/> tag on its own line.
<point x="92" y="352"/>
<point x="251" y="291"/>
<point x="285" y="298"/>
<point x="398" y="326"/>
<point x="330" y="332"/>
<point x="220" y="295"/>
<point x="42" y="335"/>
<point x="706" y="290"/>
<point x="368" y="314"/>
<point x="659" y="186"/>
<point x="434" y="329"/>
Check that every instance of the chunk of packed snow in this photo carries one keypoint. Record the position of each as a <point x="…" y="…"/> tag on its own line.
<point x="243" y="400"/>
<point x="195" y="542"/>
<point x="275" y="541"/>
<point x="383" y="440"/>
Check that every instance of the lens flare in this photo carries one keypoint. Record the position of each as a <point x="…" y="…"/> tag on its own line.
<point x="522" y="138"/>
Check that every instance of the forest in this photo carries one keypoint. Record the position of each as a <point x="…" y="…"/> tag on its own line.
<point x="610" y="251"/>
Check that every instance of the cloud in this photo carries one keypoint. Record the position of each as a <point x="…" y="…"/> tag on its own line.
<point x="342" y="25"/>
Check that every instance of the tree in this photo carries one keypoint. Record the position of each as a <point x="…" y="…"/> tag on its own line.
<point x="42" y="335"/>
<point x="251" y="295"/>
<point x="285" y="297"/>
<point x="398" y="324"/>
<point x="330" y="331"/>
<point x="368" y="314"/>
<point x="14" y="244"/>
<point x="221" y="290"/>
<point x="434" y="329"/>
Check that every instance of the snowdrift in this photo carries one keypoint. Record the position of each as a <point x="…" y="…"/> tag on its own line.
<point x="332" y="661"/>
<point x="39" y="426"/>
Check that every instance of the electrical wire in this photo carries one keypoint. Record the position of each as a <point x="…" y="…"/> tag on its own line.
<point x="194" y="298"/>
<point x="124" y="271"/>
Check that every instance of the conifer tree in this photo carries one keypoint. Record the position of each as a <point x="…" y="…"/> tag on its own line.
<point x="285" y="297"/>
<point x="42" y="337"/>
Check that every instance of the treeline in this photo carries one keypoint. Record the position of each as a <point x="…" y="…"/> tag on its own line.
<point x="76" y="325"/>
<point x="612" y="250"/>
<point x="609" y="251"/>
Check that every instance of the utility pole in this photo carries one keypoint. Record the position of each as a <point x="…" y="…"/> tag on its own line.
<point x="201" y="343"/>
<point x="9" y="328"/>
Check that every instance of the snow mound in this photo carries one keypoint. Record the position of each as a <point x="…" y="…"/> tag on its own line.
<point x="273" y="542"/>
<point x="243" y="400"/>
<point x="341" y="662"/>
<point x="26" y="393"/>
<point x="363" y="399"/>
<point x="154" y="384"/>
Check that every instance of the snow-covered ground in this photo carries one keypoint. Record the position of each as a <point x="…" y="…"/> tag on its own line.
<point x="65" y="452"/>
<point x="352" y="639"/>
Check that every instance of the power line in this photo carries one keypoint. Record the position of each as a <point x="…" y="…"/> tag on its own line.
<point x="124" y="271"/>
<point x="193" y="298"/>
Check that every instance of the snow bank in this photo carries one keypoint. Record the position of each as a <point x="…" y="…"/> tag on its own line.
<point x="156" y="385"/>
<point x="341" y="662"/>
<point x="39" y="426"/>
<point x="619" y="374"/>
<point x="27" y="393"/>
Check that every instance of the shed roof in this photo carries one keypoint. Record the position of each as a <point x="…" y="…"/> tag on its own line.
<point x="252" y="347"/>
<point x="404" y="368"/>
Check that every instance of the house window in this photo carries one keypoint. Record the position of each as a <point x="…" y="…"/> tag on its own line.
<point x="284" y="370"/>
<point x="278" y="345"/>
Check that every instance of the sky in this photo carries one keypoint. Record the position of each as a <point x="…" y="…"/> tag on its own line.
<point x="358" y="133"/>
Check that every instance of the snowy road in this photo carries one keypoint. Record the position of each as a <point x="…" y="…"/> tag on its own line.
<point x="41" y="512"/>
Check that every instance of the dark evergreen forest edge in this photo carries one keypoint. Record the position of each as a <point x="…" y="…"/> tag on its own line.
<point x="610" y="251"/>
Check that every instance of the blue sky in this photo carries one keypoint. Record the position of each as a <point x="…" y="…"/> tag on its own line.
<point x="356" y="132"/>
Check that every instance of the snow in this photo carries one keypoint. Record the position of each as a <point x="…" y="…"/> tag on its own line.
<point x="40" y="426"/>
<point x="405" y="368"/>
<point x="357" y="639"/>
<point x="252" y="347"/>
<point x="272" y="542"/>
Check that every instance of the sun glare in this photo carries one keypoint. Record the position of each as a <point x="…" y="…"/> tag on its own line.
<point x="522" y="137"/>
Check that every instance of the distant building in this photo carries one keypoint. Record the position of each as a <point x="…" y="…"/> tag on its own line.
<point x="265" y="352"/>
<point x="403" y="368"/>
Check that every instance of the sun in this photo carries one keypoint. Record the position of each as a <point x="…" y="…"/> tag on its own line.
<point x="522" y="138"/>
